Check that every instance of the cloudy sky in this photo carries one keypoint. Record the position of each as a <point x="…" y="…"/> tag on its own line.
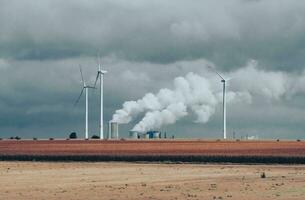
<point x="145" y="45"/>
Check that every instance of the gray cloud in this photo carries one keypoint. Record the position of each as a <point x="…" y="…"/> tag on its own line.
<point x="144" y="46"/>
<point x="227" y="33"/>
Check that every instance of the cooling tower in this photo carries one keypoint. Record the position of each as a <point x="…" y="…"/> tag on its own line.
<point x="113" y="130"/>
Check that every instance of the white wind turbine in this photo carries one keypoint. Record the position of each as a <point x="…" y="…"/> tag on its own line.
<point x="224" y="103"/>
<point x="85" y="87"/>
<point x="100" y="74"/>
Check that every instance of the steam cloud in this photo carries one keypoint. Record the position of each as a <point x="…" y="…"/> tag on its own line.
<point x="195" y="94"/>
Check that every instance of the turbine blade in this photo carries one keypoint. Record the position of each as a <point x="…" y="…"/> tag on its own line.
<point x="81" y="93"/>
<point x="81" y="73"/>
<point x="99" y="59"/>
<point x="216" y="72"/>
<point x="97" y="75"/>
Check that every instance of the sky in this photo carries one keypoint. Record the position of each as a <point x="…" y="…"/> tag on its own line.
<point x="147" y="46"/>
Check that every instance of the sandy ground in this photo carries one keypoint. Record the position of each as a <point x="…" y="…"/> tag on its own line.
<point x="46" y="180"/>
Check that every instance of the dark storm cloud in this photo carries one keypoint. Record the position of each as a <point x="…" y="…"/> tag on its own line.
<point x="227" y="33"/>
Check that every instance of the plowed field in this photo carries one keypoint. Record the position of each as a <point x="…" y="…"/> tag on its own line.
<point x="152" y="148"/>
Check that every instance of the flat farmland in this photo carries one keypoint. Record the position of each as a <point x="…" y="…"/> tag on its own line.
<point x="132" y="181"/>
<point x="150" y="150"/>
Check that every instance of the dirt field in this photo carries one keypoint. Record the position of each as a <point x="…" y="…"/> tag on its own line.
<point x="74" y="180"/>
<point x="152" y="147"/>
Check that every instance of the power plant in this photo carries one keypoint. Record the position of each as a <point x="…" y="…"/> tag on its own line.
<point x="145" y="129"/>
<point x="147" y="135"/>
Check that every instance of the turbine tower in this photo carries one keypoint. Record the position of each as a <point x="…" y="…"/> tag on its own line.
<point x="224" y="103"/>
<point x="85" y="87"/>
<point x="100" y="74"/>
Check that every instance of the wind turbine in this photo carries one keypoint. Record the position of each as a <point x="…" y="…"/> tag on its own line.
<point x="85" y="87"/>
<point x="224" y="103"/>
<point x="100" y="74"/>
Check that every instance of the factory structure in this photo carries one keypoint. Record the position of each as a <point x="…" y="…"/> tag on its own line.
<point x="113" y="133"/>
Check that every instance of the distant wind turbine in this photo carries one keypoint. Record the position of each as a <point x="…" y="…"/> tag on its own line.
<point x="85" y="87"/>
<point x="224" y="103"/>
<point x="100" y="74"/>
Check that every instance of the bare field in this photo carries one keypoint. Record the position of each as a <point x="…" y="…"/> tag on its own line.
<point x="152" y="147"/>
<point x="74" y="180"/>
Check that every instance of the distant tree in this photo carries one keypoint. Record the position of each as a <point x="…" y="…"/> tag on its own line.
<point x="164" y="134"/>
<point x="12" y="138"/>
<point x="73" y="135"/>
<point x="95" y="137"/>
<point x="51" y="138"/>
<point x="34" y="138"/>
<point x="17" y="138"/>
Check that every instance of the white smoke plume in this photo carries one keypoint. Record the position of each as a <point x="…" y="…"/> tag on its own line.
<point x="191" y="93"/>
<point x="198" y="95"/>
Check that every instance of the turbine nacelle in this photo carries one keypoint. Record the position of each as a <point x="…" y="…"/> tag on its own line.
<point x="102" y="71"/>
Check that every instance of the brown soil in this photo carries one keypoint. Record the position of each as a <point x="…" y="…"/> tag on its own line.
<point x="152" y="147"/>
<point x="46" y="180"/>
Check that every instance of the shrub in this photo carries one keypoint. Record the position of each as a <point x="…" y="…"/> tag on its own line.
<point x="17" y="138"/>
<point x="34" y="138"/>
<point x="278" y="140"/>
<point x="51" y="138"/>
<point x="95" y="137"/>
<point x="298" y="140"/>
<point x="11" y="138"/>
<point x="73" y="135"/>
<point x="263" y="175"/>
